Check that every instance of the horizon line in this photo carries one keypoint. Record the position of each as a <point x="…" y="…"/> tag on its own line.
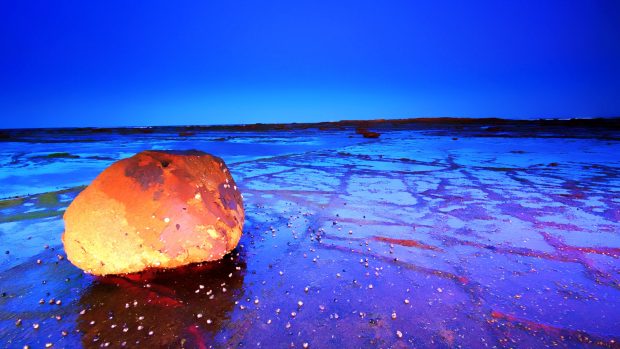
<point x="377" y="120"/>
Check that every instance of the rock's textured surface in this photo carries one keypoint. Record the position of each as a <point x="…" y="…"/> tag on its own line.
<point x="155" y="209"/>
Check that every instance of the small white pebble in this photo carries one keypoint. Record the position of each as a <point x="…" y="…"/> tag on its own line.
<point x="167" y="220"/>
<point x="399" y="334"/>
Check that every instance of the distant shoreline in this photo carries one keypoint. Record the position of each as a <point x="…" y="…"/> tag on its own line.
<point x="613" y="122"/>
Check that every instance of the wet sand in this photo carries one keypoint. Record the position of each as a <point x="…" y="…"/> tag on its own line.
<point x="436" y="234"/>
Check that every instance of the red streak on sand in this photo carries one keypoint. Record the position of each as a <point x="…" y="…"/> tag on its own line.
<point x="198" y="340"/>
<point x="607" y="251"/>
<point x="406" y="242"/>
<point x="561" y="246"/>
<point x="559" y="332"/>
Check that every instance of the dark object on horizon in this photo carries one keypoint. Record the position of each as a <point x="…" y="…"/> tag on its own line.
<point x="371" y="134"/>
<point x="367" y="134"/>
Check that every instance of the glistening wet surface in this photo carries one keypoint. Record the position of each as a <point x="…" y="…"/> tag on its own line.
<point x="428" y="236"/>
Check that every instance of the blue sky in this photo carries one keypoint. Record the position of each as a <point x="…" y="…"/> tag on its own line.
<point x="109" y="63"/>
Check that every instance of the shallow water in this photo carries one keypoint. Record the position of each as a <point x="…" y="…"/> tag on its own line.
<point x="425" y="237"/>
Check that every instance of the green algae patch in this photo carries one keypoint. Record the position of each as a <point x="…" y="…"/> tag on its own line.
<point x="8" y="203"/>
<point x="48" y="199"/>
<point x="31" y="215"/>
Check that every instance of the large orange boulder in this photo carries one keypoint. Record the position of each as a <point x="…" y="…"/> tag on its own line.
<point x="156" y="209"/>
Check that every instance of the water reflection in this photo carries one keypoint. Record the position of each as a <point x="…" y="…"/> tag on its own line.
<point x="185" y="307"/>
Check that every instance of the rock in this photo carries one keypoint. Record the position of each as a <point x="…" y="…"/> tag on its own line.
<point x="370" y="134"/>
<point x="367" y="134"/>
<point x="156" y="209"/>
